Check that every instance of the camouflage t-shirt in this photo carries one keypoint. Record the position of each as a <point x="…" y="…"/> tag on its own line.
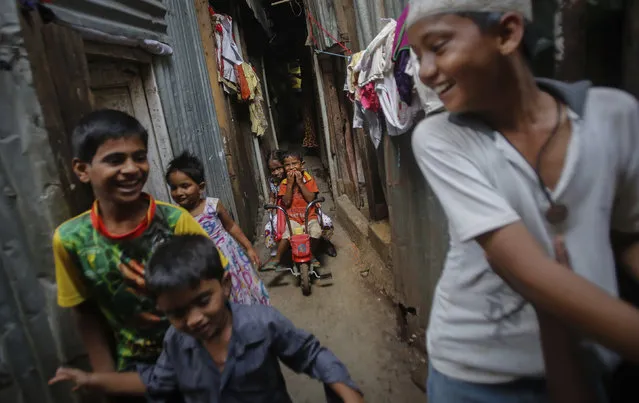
<point x="92" y="264"/>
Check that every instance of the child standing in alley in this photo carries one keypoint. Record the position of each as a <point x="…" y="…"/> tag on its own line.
<point x="218" y="351"/>
<point x="100" y="255"/>
<point x="185" y="177"/>
<point x="276" y="167"/>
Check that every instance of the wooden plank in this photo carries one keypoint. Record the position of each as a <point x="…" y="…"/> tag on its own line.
<point x="57" y="60"/>
<point x="96" y="50"/>
<point x="345" y="175"/>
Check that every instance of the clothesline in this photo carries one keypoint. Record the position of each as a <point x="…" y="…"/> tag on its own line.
<point x="331" y="54"/>
<point x="314" y="21"/>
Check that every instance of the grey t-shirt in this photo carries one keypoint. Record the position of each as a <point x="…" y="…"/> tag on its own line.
<point x="480" y="330"/>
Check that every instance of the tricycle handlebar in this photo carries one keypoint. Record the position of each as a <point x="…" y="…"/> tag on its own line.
<point x="288" y="221"/>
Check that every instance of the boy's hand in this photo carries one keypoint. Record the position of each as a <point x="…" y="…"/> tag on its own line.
<point x="80" y="378"/>
<point x="299" y="178"/>
<point x="290" y="177"/>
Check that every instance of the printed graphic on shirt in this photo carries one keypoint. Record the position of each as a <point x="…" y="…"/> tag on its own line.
<point x="112" y="272"/>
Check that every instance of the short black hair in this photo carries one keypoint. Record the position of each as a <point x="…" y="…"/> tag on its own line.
<point x="275" y="155"/>
<point x="292" y="153"/>
<point x="102" y="125"/>
<point x="189" y="164"/>
<point x="182" y="261"/>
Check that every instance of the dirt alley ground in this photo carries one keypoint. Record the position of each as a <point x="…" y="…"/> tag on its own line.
<point x="351" y="319"/>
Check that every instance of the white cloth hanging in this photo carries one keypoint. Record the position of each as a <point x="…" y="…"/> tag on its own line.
<point x="376" y="59"/>
<point x="228" y="54"/>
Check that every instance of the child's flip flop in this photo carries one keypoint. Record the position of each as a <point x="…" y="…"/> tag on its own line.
<point x="271" y="265"/>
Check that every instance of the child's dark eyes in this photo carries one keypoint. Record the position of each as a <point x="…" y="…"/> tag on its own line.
<point x="203" y="302"/>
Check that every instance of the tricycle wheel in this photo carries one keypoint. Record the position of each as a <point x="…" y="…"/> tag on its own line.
<point x="305" y="278"/>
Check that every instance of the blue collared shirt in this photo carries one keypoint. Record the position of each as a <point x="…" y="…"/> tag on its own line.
<point x="261" y="337"/>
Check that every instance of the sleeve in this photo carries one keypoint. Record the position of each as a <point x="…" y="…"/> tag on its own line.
<point x="71" y="290"/>
<point x="472" y="204"/>
<point x="187" y="225"/>
<point x="283" y="188"/>
<point x="625" y="216"/>
<point x="302" y="352"/>
<point x="160" y="379"/>
<point x="311" y="185"/>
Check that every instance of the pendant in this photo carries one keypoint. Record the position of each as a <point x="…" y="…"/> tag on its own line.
<point x="557" y="214"/>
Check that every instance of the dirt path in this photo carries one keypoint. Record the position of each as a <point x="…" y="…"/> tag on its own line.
<point x="355" y="323"/>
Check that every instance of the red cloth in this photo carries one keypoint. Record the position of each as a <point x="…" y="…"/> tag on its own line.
<point x="298" y="206"/>
<point x="245" y="90"/>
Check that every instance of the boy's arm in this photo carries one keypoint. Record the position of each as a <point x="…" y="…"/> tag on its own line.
<point x="309" y="189"/>
<point x="302" y="352"/>
<point x="91" y="324"/>
<point x="569" y="297"/>
<point x="89" y="320"/>
<point x="111" y="383"/>
<point x="563" y="358"/>
<point x="287" y="192"/>
<point x="158" y="382"/>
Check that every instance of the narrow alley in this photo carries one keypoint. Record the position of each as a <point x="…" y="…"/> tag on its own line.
<point x="350" y="318"/>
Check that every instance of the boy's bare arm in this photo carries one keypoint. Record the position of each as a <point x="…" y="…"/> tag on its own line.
<point x="287" y="199"/>
<point x="346" y="393"/>
<point x="112" y="383"/>
<point x="571" y="298"/>
<point x="90" y="323"/>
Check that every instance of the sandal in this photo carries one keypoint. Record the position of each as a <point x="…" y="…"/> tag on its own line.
<point x="316" y="263"/>
<point x="271" y="265"/>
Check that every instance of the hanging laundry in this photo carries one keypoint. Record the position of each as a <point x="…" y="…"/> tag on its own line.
<point x="363" y="118"/>
<point x="245" y="92"/>
<point x="429" y="99"/>
<point x="351" y="75"/>
<point x="399" y="115"/>
<point x="405" y="82"/>
<point x="400" y="42"/>
<point x="377" y="56"/>
<point x="227" y="52"/>
<point x="259" y="124"/>
<point x="369" y="98"/>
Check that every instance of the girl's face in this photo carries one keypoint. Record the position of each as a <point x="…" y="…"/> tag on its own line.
<point x="277" y="169"/>
<point x="184" y="190"/>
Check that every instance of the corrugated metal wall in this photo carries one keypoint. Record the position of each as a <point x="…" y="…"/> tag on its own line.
<point x="31" y="203"/>
<point x="189" y="109"/>
<point x="139" y="19"/>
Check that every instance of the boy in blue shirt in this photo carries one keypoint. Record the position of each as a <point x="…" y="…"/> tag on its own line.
<point x="216" y="350"/>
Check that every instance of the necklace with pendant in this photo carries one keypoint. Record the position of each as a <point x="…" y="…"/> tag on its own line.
<point x="557" y="213"/>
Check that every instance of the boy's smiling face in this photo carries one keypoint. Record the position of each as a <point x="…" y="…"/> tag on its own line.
<point x="293" y="164"/>
<point x="200" y="311"/>
<point x="118" y="171"/>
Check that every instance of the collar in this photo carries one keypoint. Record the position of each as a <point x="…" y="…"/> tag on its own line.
<point x="98" y="223"/>
<point x="574" y="95"/>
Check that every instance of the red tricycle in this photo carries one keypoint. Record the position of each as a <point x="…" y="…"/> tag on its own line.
<point x="301" y="250"/>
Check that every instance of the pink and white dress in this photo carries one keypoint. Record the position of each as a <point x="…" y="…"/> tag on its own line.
<point x="247" y="287"/>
